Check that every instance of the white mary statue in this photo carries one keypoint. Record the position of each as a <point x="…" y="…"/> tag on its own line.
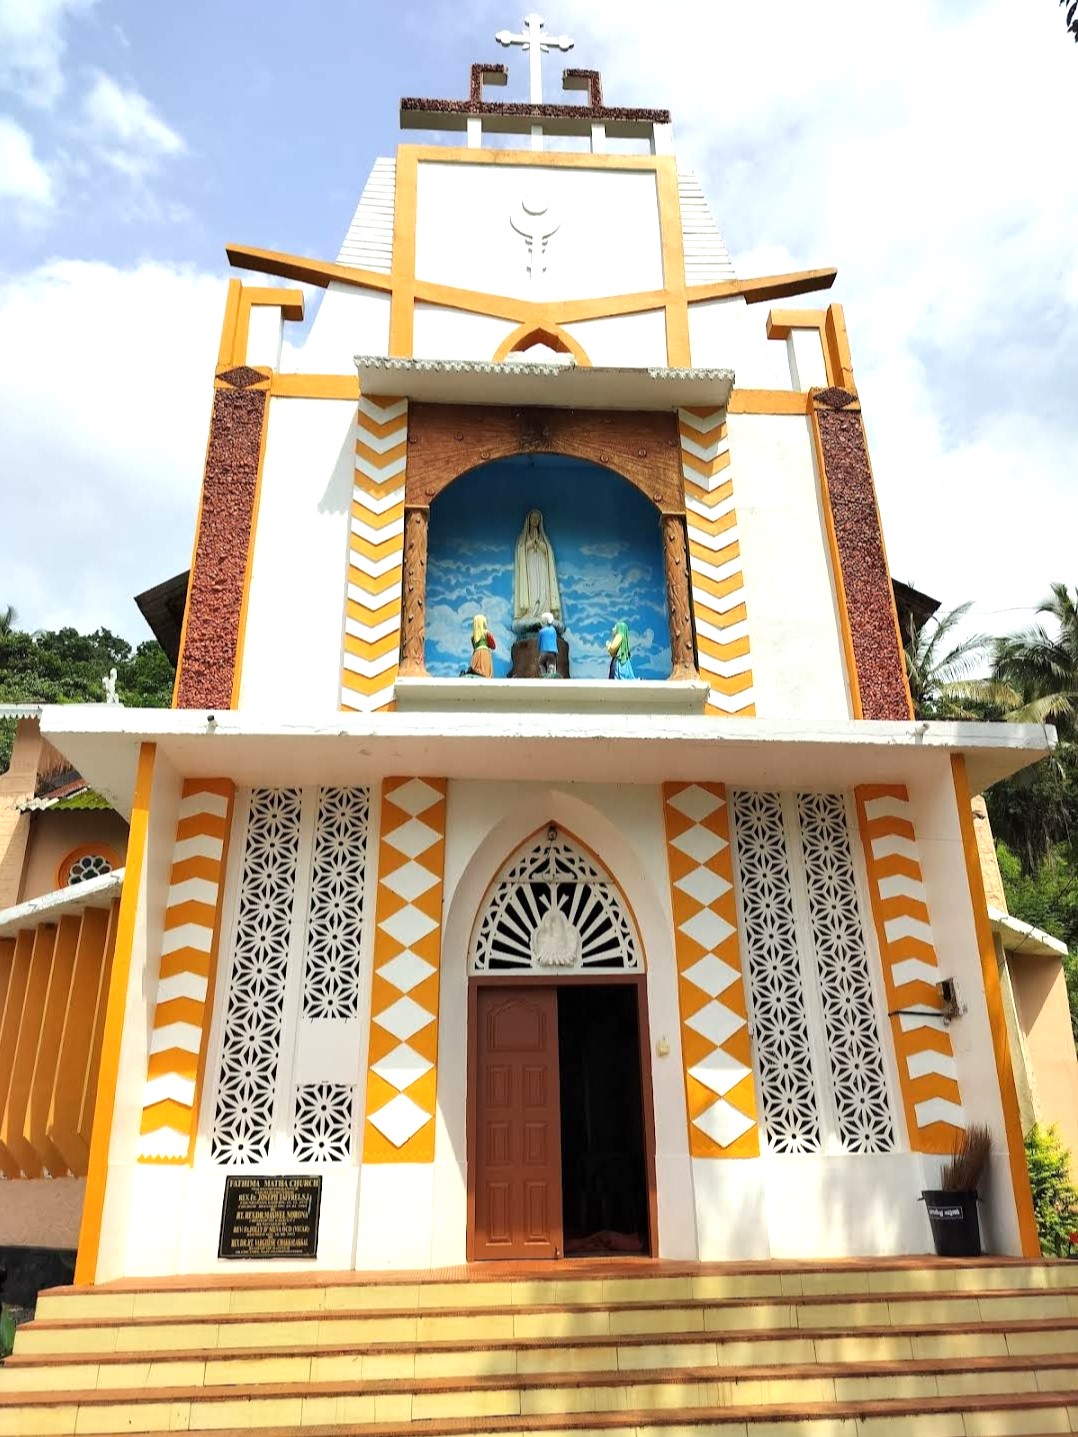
<point x="535" y="579"/>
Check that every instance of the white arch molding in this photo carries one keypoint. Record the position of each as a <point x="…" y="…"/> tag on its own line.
<point x="488" y="825"/>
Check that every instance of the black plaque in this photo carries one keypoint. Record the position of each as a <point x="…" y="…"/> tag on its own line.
<point x="270" y="1217"/>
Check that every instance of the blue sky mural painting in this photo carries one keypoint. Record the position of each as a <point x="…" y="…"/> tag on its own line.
<point x="606" y="542"/>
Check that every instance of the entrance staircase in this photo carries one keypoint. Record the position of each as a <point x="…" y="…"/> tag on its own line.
<point x="654" y="1350"/>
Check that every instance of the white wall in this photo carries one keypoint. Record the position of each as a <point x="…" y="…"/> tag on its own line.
<point x="440" y="333"/>
<point x="624" y="339"/>
<point x="349" y="321"/>
<point x="607" y="241"/>
<point x="797" y="659"/>
<point x="295" y="615"/>
<point x="731" y="334"/>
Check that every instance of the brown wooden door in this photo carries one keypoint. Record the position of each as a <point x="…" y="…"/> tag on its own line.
<point x="517" y="1157"/>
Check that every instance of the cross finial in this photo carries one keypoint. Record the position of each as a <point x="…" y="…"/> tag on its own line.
<point x="537" y="42"/>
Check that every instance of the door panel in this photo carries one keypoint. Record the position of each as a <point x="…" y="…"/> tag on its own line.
<point x="518" y="1124"/>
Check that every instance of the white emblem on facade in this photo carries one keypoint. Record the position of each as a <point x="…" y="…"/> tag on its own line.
<point x="534" y="222"/>
<point x="555" y="942"/>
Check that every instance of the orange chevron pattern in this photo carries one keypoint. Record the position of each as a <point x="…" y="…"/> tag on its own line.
<point x="719" y="1086"/>
<point x="402" y="1063"/>
<point x="722" y="629"/>
<point x="372" y="620"/>
<point x="928" y="1074"/>
<point x="188" y="961"/>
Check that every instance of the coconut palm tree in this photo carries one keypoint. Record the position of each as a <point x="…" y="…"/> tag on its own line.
<point x="1041" y="668"/>
<point x="939" y="664"/>
<point x="1072" y="16"/>
<point x="7" y="620"/>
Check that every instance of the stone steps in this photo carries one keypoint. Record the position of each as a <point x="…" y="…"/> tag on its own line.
<point x="859" y="1349"/>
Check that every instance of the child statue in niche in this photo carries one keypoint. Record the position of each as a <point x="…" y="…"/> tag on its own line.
<point x="548" y="646"/>
<point x="621" y="666"/>
<point x="482" y="665"/>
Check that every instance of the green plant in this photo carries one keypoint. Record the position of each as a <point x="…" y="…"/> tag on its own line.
<point x="1055" y="1200"/>
<point x="969" y="1158"/>
<point x="7" y="1332"/>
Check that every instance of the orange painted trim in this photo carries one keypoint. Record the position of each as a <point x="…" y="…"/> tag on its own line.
<point x="678" y="354"/>
<point x="314" y="386"/>
<point x="93" y="1206"/>
<point x="245" y="601"/>
<point x="303" y="269"/>
<point x="768" y="401"/>
<point x="289" y="301"/>
<point x="525" y="335"/>
<point x="836" y="569"/>
<point x="405" y="203"/>
<point x="782" y="322"/>
<point x="227" y="346"/>
<point x="1016" y="1150"/>
<point x="837" y="348"/>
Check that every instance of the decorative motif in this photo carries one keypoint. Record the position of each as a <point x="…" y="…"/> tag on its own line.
<point x="780" y="1021"/>
<point x="188" y="964"/>
<point x="849" y="1008"/>
<point x="835" y="398"/>
<point x="335" y="909"/>
<point x="376" y="543"/>
<point x="402" y="1079"/>
<point x="243" y="1122"/>
<point x="722" y="630"/>
<point x="242" y="377"/>
<point x="552" y="906"/>
<point x="323" y="1126"/>
<point x="537" y="227"/>
<point x="719" y="1087"/>
<point x="928" y="1074"/>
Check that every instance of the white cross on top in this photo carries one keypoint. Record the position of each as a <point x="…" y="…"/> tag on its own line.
<point x="537" y="43"/>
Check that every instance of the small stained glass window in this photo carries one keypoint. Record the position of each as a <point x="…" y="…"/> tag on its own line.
<point x="90" y="865"/>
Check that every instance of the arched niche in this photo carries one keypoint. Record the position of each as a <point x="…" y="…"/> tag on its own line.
<point x="607" y="544"/>
<point x="448" y="445"/>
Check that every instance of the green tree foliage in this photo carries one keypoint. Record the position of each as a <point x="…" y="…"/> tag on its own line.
<point x="1041" y="667"/>
<point x="1055" y="1201"/>
<point x="939" y="666"/>
<point x="1072" y="17"/>
<point x="62" y="666"/>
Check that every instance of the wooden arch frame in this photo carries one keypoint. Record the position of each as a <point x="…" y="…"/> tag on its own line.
<point x="553" y="335"/>
<point x="447" y="441"/>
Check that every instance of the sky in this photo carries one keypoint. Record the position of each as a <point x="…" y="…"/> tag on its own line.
<point x="923" y="149"/>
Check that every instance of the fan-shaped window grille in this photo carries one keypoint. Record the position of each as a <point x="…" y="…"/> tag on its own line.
<point x="552" y="907"/>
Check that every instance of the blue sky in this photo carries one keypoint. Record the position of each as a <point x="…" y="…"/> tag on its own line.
<point x="921" y="149"/>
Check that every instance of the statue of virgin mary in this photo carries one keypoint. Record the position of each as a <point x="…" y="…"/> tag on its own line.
<point x="535" y="578"/>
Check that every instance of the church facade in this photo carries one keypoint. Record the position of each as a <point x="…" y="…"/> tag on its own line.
<point x="672" y="946"/>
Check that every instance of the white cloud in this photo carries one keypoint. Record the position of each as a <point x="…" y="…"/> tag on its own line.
<point x="32" y="46"/>
<point x="23" y="178"/>
<point x="105" y="392"/>
<point x="125" y="129"/>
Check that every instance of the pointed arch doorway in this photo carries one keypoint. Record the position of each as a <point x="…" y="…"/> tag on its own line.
<point x="561" y="1135"/>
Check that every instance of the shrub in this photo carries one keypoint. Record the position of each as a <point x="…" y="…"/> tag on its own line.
<point x="1055" y="1201"/>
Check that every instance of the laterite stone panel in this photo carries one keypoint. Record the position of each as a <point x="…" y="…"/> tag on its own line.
<point x="859" y="540"/>
<point x="215" y="599"/>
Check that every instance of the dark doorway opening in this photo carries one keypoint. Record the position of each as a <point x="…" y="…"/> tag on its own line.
<point x="604" y="1167"/>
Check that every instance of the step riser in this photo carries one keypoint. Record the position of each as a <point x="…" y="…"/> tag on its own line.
<point x="405" y="1405"/>
<point x="360" y="1366"/>
<point x="306" y="1330"/>
<point x="357" y="1297"/>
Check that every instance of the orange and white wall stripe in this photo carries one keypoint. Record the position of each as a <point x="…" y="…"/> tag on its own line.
<point x="719" y="1085"/>
<point x="928" y="1074"/>
<point x="402" y="1062"/>
<point x="375" y="556"/>
<point x="718" y="597"/>
<point x="188" y="960"/>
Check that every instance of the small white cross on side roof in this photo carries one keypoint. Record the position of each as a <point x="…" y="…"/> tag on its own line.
<point x="537" y="42"/>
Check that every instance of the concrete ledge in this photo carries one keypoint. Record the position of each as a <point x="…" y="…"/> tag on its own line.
<point x="642" y="696"/>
